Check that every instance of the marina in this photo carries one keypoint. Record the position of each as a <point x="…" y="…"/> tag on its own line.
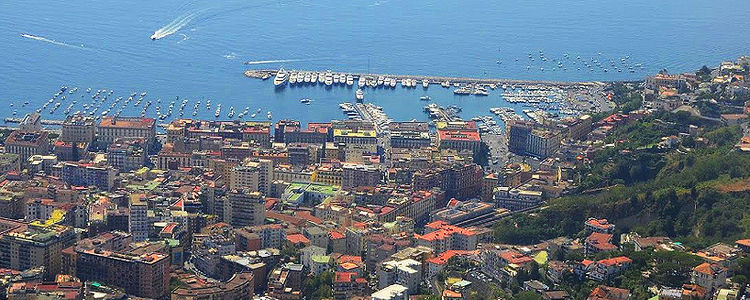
<point x="462" y="85"/>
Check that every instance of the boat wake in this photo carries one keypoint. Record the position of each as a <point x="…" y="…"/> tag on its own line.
<point x="174" y="26"/>
<point x="46" y="40"/>
<point x="379" y="3"/>
<point x="277" y="61"/>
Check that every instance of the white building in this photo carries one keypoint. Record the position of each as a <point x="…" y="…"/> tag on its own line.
<point x="392" y="292"/>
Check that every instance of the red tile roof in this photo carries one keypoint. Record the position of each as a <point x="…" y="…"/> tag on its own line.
<point x="297" y="239"/>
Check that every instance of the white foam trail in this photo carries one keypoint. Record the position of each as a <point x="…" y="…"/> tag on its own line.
<point x="173" y="26"/>
<point x="276" y="61"/>
<point x="46" y="40"/>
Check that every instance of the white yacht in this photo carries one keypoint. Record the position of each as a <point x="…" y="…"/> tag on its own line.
<point x="361" y="82"/>
<point x="281" y="77"/>
<point x="349" y="80"/>
<point x="359" y="95"/>
<point x="329" y="78"/>
<point x="425" y="83"/>
<point x="293" y="78"/>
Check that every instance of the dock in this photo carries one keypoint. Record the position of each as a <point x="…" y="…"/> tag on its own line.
<point x="492" y="82"/>
<point x="43" y="121"/>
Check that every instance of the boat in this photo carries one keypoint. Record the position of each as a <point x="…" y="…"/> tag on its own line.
<point x="425" y="98"/>
<point x="314" y="78"/>
<point x="269" y="116"/>
<point x="361" y="82"/>
<point x="359" y="95"/>
<point x="349" y="80"/>
<point x="307" y="78"/>
<point x="380" y="80"/>
<point x="305" y="100"/>
<point x="392" y="82"/>
<point x="336" y="78"/>
<point x="321" y="78"/>
<point x="280" y="78"/>
<point x="329" y="78"/>
<point x="293" y="78"/>
<point x="425" y="83"/>
<point x="252" y="116"/>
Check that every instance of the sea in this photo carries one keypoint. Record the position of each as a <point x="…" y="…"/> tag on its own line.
<point x="203" y="47"/>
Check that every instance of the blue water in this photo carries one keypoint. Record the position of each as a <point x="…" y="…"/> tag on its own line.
<point x="105" y="44"/>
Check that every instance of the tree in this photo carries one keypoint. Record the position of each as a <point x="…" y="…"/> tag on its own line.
<point x="528" y="295"/>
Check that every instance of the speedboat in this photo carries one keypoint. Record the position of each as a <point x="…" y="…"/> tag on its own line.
<point x="305" y="100"/>
<point x="425" y="98"/>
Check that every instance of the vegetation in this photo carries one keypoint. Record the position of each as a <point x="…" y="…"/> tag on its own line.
<point x="319" y="286"/>
<point x="626" y="98"/>
<point x="679" y="193"/>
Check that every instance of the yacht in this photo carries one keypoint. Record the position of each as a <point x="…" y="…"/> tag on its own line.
<point x="293" y="78"/>
<point x="361" y="82"/>
<point x="425" y="83"/>
<point x="392" y="82"/>
<point x="380" y="80"/>
<point x="307" y="78"/>
<point x="349" y="80"/>
<point x="359" y="95"/>
<point x="281" y="77"/>
<point x="329" y="78"/>
<point x="336" y="78"/>
<point x="314" y="78"/>
<point x="321" y="77"/>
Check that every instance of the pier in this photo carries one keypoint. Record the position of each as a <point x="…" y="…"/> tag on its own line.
<point x="43" y="121"/>
<point x="492" y="82"/>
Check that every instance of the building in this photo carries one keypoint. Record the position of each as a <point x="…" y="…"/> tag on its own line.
<point x="78" y="128"/>
<point x="139" y="272"/>
<point x="603" y="292"/>
<point x="25" y="246"/>
<point x="462" y="212"/>
<point x="443" y="237"/>
<point x="315" y="133"/>
<point x="260" y="237"/>
<point x="391" y="292"/>
<point x="709" y="276"/>
<point x="253" y="176"/>
<point x="31" y="122"/>
<point x="515" y="199"/>
<point x="528" y="138"/>
<point x="409" y="134"/>
<point x="127" y="154"/>
<point x="598" y="225"/>
<point x="244" y="208"/>
<point x="355" y="136"/>
<point x="111" y="128"/>
<point x="138" y="218"/>
<point x="27" y="143"/>
<point x="355" y="175"/>
<point x="88" y="174"/>
<point x="598" y="242"/>
<point x="609" y="268"/>
<point x="459" y="140"/>
<point x="407" y="272"/>
<point x="240" y="286"/>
